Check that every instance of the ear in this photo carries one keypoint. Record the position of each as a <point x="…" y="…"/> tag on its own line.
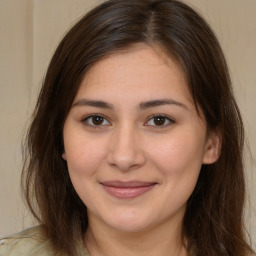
<point x="64" y="156"/>
<point x="212" y="147"/>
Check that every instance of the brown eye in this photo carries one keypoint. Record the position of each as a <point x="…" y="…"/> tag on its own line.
<point x="159" y="121"/>
<point x="96" y="120"/>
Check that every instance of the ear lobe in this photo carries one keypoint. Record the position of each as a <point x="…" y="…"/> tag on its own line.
<point x="212" y="148"/>
<point x="64" y="156"/>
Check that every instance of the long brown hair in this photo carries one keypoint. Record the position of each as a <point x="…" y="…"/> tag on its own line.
<point x="213" y="222"/>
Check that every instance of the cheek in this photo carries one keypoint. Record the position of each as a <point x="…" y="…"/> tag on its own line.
<point x="84" y="155"/>
<point x="84" y="159"/>
<point x="179" y="161"/>
<point x="180" y="154"/>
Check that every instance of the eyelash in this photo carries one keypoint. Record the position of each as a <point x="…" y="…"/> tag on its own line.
<point x="103" y="119"/>
<point x="86" y="121"/>
<point x="166" y="118"/>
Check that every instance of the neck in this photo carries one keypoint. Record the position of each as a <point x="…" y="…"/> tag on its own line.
<point x="164" y="240"/>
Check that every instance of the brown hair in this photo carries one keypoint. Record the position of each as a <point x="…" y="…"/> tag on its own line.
<point x="213" y="222"/>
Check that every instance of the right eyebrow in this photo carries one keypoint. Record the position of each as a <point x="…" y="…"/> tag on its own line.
<point x="161" y="102"/>
<point x="93" y="103"/>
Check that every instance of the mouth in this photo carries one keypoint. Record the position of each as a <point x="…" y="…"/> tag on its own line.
<point x="127" y="190"/>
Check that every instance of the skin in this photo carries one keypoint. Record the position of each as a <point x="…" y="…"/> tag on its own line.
<point x="126" y="143"/>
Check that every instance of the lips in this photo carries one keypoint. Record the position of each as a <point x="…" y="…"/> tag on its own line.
<point x="127" y="190"/>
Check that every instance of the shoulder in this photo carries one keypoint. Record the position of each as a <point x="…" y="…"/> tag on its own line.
<point x="28" y="242"/>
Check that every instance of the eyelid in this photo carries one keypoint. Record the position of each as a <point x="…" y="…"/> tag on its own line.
<point x="85" y="120"/>
<point x="170" y="120"/>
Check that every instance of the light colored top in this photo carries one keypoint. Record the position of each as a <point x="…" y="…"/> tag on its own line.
<point x="31" y="242"/>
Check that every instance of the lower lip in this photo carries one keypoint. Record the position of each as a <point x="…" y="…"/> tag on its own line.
<point x="127" y="193"/>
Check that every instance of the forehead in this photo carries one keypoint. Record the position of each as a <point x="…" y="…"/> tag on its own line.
<point x="138" y="68"/>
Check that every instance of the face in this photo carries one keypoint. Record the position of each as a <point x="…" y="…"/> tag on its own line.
<point x="134" y="142"/>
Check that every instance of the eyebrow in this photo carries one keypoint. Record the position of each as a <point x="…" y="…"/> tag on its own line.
<point x="143" y="105"/>
<point x="161" y="102"/>
<point x="93" y="103"/>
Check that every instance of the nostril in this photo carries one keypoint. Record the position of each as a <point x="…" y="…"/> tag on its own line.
<point x="125" y="152"/>
<point x="126" y="161"/>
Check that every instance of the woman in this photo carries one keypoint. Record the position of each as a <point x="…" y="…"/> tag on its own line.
<point x="135" y="147"/>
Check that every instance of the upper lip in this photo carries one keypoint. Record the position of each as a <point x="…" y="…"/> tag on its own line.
<point x="127" y="184"/>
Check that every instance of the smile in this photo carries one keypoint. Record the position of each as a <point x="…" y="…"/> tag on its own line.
<point x="127" y="190"/>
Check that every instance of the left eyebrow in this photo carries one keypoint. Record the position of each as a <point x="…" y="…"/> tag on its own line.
<point x="160" y="102"/>
<point x="93" y="103"/>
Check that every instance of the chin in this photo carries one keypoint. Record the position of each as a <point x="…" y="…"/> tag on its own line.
<point x="129" y="222"/>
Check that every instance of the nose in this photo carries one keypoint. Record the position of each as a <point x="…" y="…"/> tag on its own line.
<point x="126" y="153"/>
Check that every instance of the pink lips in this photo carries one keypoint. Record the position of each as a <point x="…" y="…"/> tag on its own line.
<point x="127" y="190"/>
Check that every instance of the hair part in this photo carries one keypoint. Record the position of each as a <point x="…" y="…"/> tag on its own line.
<point x="213" y="222"/>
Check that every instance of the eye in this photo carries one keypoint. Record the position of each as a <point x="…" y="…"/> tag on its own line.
<point x="159" y="120"/>
<point x="96" y="120"/>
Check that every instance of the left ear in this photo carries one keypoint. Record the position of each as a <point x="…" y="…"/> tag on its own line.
<point x="212" y="147"/>
<point x="64" y="156"/>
